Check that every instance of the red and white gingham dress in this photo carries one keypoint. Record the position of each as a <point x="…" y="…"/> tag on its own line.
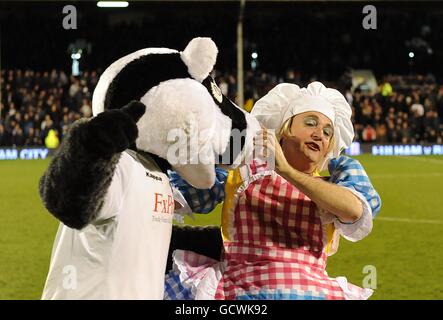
<point x="275" y="247"/>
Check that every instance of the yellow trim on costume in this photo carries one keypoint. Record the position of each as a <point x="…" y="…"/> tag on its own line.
<point x="233" y="182"/>
<point x="329" y="228"/>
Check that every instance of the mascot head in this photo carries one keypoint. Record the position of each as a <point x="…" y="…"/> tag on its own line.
<point x="188" y="121"/>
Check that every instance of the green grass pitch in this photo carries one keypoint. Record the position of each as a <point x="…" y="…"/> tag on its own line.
<point x="405" y="246"/>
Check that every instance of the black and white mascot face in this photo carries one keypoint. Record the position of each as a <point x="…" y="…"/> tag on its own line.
<point x="188" y="121"/>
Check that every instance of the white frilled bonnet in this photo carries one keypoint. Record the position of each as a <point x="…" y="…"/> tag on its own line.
<point x="287" y="100"/>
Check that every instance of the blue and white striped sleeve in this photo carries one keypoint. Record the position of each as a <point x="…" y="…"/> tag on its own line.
<point x="201" y="200"/>
<point x="349" y="173"/>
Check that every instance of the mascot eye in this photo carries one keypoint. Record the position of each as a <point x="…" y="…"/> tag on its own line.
<point x="216" y="92"/>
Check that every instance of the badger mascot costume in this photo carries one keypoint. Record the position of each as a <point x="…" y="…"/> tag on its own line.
<point x="154" y="110"/>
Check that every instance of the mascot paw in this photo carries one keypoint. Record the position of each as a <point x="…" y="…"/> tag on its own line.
<point x="113" y="131"/>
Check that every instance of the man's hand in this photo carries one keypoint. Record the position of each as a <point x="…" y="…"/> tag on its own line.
<point x="268" y="148"/>
<point x="113" y="131"/>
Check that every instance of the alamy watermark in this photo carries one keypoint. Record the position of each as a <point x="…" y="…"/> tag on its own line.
<point x="70" y="280"/>
<point x="370" y="280"/>
<point x="70" y="20"/>
<point x="232" y="148"/>
<point x="370" y="20"/>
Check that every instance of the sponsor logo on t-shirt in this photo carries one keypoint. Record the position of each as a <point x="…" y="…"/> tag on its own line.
<point x="163" y="208"/>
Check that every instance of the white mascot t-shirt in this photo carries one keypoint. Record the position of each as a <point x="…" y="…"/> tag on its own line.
<point x="122" y="254"/>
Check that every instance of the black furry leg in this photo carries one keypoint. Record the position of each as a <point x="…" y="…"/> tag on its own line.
<point x="202" y="240"/>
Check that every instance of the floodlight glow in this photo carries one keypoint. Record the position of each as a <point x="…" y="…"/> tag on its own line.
<point x="411" y="54"/>
<point x="112" y="4"/>
<point x="76" y="56"/>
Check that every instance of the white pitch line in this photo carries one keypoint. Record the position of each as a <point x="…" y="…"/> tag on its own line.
<point x="406" y="175"/>
<point x="409" y="220"/>
<point x="432" y="160"/>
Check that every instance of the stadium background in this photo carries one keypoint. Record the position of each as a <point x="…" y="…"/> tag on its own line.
<point x="283" y="41"/>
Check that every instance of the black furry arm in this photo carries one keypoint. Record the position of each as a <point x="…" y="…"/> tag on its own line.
<point x="74" y="186"/>
<point x="206" y="241"/>
<point x="75" y="183"/>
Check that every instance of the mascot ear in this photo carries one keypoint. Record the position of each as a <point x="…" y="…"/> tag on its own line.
<point x="200" y="56"/>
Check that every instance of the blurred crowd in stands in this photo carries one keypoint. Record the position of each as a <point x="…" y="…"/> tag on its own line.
<point x="34" y="103"/>
<point x="406" y="109"/>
